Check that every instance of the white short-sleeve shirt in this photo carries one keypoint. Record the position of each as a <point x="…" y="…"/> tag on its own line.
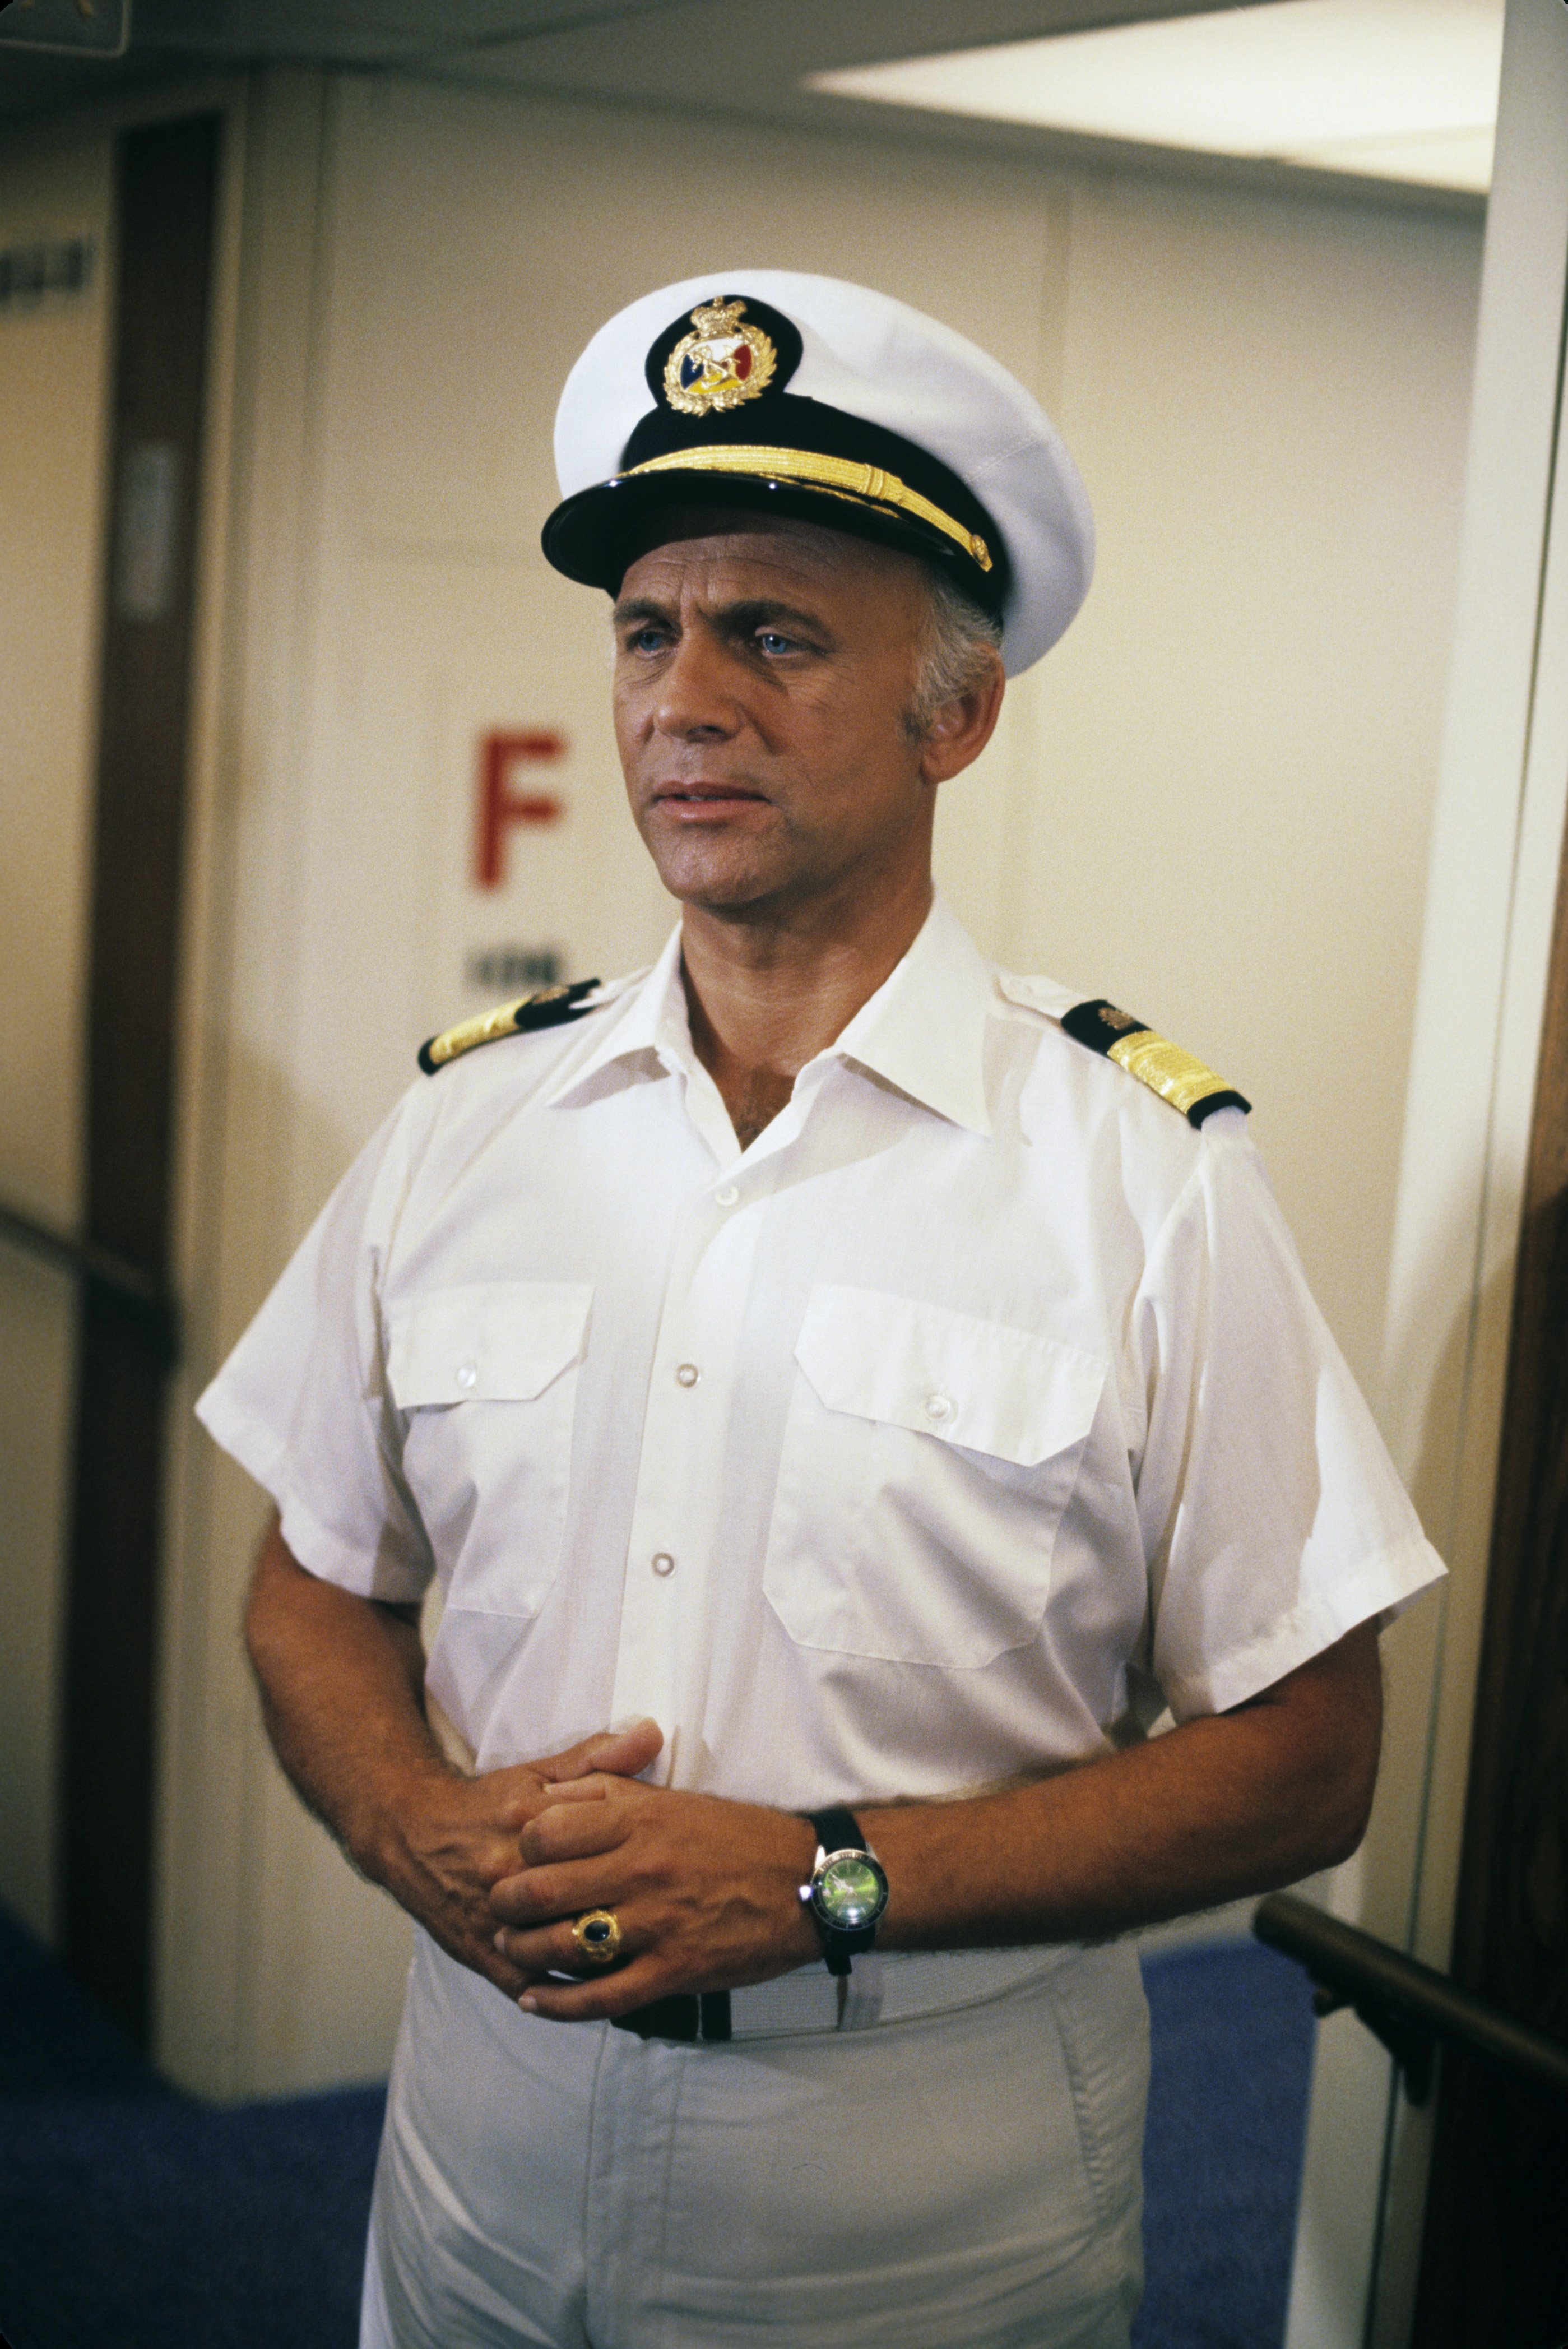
<point x="975" y="1413"/>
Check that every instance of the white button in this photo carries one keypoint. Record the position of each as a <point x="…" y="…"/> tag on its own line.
<point x="663" y="1563"/>
<point x="939" y="1406"/>
<point x="687" y="1375"/>
<point x="727" y="1194"/>
<point x="468" y="1374"/>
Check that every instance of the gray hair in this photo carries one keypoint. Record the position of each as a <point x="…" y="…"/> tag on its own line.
<point x="956" y="640"/>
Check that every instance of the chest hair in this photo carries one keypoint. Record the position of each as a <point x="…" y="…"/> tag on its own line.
<point x="761" y="1097"/>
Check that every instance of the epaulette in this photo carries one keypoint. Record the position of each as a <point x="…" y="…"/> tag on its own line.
<point x="1170" y="1071"/>
<point x="549" y="1007"/>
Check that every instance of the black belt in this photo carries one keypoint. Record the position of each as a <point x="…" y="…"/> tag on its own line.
<point x="687" y="2015"/>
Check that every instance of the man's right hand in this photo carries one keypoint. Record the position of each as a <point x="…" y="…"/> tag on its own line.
<point x="448" y="1841"/>
<point x="342" y="1683"/>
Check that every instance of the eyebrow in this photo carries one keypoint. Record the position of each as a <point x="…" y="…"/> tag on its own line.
<point x="753" y="612"/>
<point x="637" y="607"/>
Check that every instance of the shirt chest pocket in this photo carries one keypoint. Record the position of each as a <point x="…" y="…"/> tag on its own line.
<point x="486" y="1378"/>
<point x="928" y="1459"/>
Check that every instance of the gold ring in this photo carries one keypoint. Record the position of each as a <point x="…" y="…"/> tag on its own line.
<point x="597" y="1934"/>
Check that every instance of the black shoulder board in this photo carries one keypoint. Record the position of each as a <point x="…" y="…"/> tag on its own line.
<point x="1170" y="1071"/>
<point x="547" y="1009"/>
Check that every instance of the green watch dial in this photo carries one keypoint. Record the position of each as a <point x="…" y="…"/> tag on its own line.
<point x="852" y="1892"/>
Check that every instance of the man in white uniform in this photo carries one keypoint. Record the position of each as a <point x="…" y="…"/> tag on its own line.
<point x="843" y="1408"/>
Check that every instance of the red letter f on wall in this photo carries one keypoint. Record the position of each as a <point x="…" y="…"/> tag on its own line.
<point x="500" y="801"/>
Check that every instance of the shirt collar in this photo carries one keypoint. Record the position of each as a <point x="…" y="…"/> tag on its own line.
<point x="651" y="1018"/>
<point x="922" y="1031"/>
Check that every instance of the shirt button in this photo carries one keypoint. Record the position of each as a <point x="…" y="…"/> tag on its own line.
<point x="727" y="1194"/>
<point x="939" y="1406"/>
<point x="687" y="1375"/>
<point x="663" y="1563"/>
<point x="468" y="1375"/>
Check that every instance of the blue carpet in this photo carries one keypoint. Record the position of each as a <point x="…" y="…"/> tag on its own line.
<point x="132" y="2217"/>
<point x="1232" y="2030"/>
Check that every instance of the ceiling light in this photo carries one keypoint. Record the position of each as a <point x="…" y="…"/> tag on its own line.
<point x="1396" y="90"/>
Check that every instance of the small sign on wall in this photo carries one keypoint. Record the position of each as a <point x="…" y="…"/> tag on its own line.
<point x="43" y="271"/>
<point x="505" y="969"/>
<point x="146" y="540"/>
<point x="510" y="794"/>
<point x="96" y="27"/>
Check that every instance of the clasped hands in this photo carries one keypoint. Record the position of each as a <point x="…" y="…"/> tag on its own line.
<point x="704" y="1889"/>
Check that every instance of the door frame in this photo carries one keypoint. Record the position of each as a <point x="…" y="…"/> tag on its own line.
<point x="1496" y="851"/>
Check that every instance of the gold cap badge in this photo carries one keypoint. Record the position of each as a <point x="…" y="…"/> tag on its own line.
<point x="721" y="364"/>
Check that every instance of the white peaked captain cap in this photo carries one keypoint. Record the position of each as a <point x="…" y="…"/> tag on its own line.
<point x="766" y="391"/>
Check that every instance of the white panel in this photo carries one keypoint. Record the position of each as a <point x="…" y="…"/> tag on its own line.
<point x="245" y="1126"/>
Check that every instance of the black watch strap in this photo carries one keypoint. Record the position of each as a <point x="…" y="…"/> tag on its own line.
<point x="836" y="1829"/>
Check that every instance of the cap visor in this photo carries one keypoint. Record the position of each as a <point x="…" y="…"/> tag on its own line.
<point x="594" y="535"/>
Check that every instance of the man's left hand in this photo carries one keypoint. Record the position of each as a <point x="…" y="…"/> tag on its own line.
<point x="706" y="1893"/>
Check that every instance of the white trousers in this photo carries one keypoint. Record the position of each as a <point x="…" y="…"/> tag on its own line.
<point x="961" y="2173"/>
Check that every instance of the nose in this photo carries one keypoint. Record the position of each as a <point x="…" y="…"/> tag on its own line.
<point x="695" y="700"/>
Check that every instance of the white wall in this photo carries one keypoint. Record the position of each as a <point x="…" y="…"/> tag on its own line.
<point x="1212" y="803"/>
<point x="1491" y="894"/>
<point x="53" y="382"/>
<point x="1235" y="745"/>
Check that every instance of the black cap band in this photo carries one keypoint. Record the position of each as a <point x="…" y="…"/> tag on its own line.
<point x="726" y="432"/>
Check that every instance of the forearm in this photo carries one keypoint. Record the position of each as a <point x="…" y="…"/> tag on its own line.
<point x="1225" y="1807"/>
<point x="341" y="1682"/>
<point x="707" y="1891"/>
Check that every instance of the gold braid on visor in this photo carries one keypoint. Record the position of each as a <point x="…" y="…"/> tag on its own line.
<point x="838" y="476"/>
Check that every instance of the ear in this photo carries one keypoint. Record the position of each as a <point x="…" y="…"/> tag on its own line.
<point x="963" y="727"/>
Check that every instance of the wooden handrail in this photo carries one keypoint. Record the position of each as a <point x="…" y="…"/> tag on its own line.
<point x="1410" y="2007"/>
<point x="95" y="1268"/>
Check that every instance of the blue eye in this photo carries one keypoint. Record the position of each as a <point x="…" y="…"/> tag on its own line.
<point x="771" y="641"/>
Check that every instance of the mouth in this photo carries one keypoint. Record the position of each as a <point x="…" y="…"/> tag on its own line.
<point x="696" y="800"/>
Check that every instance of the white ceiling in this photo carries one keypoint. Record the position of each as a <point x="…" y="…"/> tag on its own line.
<point x="732" y="60"/>
<point x="1401" y="88"/>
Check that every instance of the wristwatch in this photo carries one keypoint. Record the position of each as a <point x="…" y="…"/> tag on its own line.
<point x="848" y="1890"/>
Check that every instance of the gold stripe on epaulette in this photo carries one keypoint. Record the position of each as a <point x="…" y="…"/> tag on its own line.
<point x="484" y="1028"/>
<point x="1176" y="1076"/>
<point x="547" y="1007"/>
